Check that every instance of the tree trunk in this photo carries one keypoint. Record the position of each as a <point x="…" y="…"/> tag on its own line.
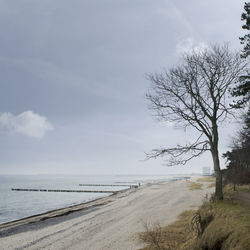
<point x="216" y="161"/>
<point x="218" y="175"/>
<point x="218" y="187"/>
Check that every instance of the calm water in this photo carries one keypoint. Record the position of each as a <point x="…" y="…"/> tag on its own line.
<point x="16" y="205"/>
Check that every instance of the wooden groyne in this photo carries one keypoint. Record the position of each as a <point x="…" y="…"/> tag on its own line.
<point x="61" y="190"/>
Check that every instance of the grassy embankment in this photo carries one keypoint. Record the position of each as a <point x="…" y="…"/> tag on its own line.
<point x="215" y="225"/>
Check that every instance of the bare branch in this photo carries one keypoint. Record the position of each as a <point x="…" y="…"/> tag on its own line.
<point x="175" y="154"/>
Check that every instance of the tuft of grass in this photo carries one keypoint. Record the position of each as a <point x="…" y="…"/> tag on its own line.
<point x="195" y="185"/>
<point x="153" y="235"/>
<point x="206" y="179"/>
<point x="215" y="225"/>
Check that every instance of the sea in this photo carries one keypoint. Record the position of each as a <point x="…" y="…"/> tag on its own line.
<point x="15" y="205"/>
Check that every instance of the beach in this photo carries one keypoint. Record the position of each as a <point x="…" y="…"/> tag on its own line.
<point x="107" y="223"/>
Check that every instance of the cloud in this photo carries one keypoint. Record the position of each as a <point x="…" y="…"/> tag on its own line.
<point x="27" y="123"/>
<point x="189" y="45"/>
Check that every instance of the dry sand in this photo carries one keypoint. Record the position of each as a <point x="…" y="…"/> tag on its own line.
<point x="109" y="223"/>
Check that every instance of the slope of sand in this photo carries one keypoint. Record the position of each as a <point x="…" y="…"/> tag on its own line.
<point x="108" y="223"/>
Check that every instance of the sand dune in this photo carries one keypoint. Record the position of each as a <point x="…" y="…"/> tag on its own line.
<point x="109" y="223"/>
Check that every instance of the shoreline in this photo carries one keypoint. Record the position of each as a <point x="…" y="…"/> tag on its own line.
<point x="76" y="207"/>
<point x="64" y="210"/>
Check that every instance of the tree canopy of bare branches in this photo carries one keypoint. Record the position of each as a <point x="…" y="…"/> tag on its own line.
<point x="194" y="94"/>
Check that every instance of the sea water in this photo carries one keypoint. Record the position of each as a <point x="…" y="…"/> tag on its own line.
<point x="20" y="204"/>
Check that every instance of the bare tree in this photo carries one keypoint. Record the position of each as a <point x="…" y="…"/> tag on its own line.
<point x="194" y="94"/>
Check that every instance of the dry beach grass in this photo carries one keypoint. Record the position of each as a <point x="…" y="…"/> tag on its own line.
<point x="215" y="225"/>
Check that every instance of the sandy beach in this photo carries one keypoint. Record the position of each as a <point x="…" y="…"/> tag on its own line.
<point x="108" y="223"/>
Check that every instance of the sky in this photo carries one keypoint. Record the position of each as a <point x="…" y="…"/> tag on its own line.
<point x="72" y="81"/>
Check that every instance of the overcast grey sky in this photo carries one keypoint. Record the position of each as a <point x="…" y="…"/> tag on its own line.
<point x="72" y="80"/>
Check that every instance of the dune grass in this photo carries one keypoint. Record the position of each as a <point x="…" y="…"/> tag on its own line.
<point x="206" y="179"/>
<point x="195" y="185"/>
<point x="215" y="225"/>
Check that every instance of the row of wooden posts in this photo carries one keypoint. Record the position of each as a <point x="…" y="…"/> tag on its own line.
<point x="76" y="191"/>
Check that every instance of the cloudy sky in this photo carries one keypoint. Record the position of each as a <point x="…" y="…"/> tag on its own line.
<point x="72" y="80"/>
